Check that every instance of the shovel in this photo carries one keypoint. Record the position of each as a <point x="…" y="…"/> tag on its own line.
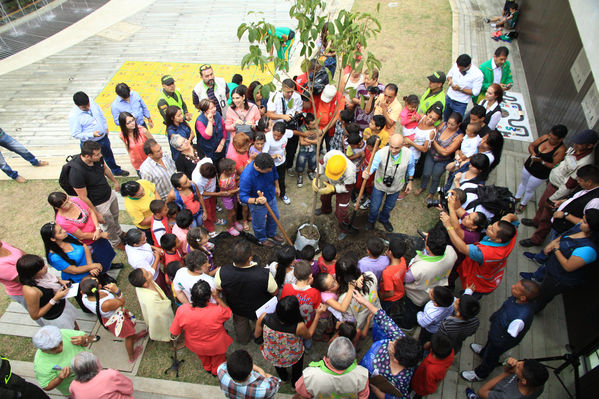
<point x="353" y="216"/>
<point x="272" y="214"/>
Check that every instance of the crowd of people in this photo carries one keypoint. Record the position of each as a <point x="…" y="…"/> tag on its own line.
<point x="241" y="150"/>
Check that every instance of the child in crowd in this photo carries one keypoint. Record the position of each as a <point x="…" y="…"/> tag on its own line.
<point x="170" y="271"/>
<point x="307" y="150"/>
<point x="197" y="238"/>
<point x="507" y="20"/>
<point x="186" y="194"/>
<point x="345" y="118"/>
<point x="108" y="304"/>
<point x="308" y="297"/>
<point x="327" y="260"/>
<point x="154" y="304"/>
<point x="409" y="117"/>
<point x="160" y="225"/>
<point x="392" y="289"/>
<point x="171" y="214"/>
<point x="468" y="147"/>
<point x="142" y="255"/>
<point x="170" y="245"/>
<point x="464" y="321"/>
<point x="329" y="287"/>
<point x="258" y="146"/>
<point x="228" y="184"/>
<point x="355" y="149"/>
<point x="433" y="368"/>
<point x="370" y="143"/>
<point x="308" y="253"/>
<point x="377" y="260"/>
<point x="377" y="128"/>
<point x="346" y="329"/>
<point x="204" y="176"/>
<point x="180" y="229"/>
<point x="282" y="269"/>
<point x="276" y="141"/>
<point x="196" y="269"/>
<point x="435" y="311"/>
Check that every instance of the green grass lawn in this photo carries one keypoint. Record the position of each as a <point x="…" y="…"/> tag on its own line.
<point x="415" y="41"/>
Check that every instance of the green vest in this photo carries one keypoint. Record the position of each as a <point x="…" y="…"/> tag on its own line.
<point x="171" y="101"/>
<point x="427" y="102"/>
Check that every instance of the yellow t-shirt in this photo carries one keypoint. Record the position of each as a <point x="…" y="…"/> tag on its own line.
<point x="383" y="136"/>
<point x="139" y="208"/>
<point x="393" y="109"/>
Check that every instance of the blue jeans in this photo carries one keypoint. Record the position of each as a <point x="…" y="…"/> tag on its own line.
<point x="452" y="106"/>
<point x="434" y="169"/>
<point x="303" y="158"/>
<point x="264" y="225"/>
<point x="13" y="145"/>
<point x="108" y="155"/>
<point x="376" y="198"/>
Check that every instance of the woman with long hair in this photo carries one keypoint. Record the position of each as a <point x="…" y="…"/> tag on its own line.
<point x="67" y="254"/>
<point x="283" y="333"/>
<point x="254" y="96"/>
<point x="491" y="102"/>
<point x="176" y="124"/>
<point x="348" y="274"/>
<point x="212" y="137"/>
<point x="134" y="137"/>
<point x="242" y="115"/>
<point x="203" y="323"/>
<point x="108" y="302"/>
<point x="77" y="219"/>
<point x="45" y="294"/>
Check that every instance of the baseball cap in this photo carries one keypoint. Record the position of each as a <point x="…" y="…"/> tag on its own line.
<point x="168" y="80"/>
<point x="328" y="93"/>
<point x="585" y="137"/>
<point x="437" y="77"/>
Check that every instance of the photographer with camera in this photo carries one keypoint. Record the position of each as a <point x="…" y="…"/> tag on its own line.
<point x="485" y="261"/>
<point x="390" y="165"/>
<point x="369" y="90"/>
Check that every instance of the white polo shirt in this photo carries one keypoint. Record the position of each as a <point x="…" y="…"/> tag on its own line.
<point x="276" y="105"/>
<point x="472" y="80"/>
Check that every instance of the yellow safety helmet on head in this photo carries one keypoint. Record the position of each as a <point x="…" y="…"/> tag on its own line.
<point x="335" y="167"/>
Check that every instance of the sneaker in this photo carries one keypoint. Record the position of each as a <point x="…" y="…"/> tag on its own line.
<point x="470" y="394"/>
<point x="232" y="231"/>
<point x="300" y="181"/>
<point x="365" y="204"/>
<point x="123" y="173"/>
<point x="470" y="376"/>
<point x="311" y="175"/>
<point x="291" y="172"/>
<point x="286" y="200"/>
<point x="526" y="275"/>
<point x="220" y="222"/>
<point x="487" y="20"/>
<point x="532" y="256"/>
<point x="476" y="348"/>
<point x="219" y="208"/>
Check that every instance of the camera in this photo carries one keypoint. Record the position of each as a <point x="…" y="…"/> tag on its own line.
<point x="442" y="201"/>
<point x="375" y="90"/>
<point x="295" y="122"/>
<point x="388" y="180"/>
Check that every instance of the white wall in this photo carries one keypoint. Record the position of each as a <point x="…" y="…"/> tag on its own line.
<point x="586" y="14"/>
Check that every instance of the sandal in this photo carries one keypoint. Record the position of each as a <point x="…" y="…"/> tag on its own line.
<point x="232" y="231"/>
<point x="520" y="208"/>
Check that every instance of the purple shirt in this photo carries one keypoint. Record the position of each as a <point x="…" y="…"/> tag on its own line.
<point x="367" y="264"/>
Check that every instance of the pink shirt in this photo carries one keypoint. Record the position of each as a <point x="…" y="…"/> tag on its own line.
<point x="251" y="116"/>
<point x="182" y="236"/>
<point x="83" y="223"/>
<point x="136" y="148"/>
<point x="405" y="118"/>
<point x="241" y="160"/>
<point x="107" y="384"/>
<point x="8" y="270"/>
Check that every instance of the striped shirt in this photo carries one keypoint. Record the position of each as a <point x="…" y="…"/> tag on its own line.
<point x="159" y="175"/>
<point x="255" y="387"/>
<point x="457" y="330"/>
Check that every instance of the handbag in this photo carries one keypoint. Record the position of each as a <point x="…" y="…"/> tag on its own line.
<point x="243" y="128"/>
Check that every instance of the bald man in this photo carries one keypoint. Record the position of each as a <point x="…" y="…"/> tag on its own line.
<point x="391" y="165"/>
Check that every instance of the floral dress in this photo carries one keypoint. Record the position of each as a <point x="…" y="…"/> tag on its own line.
<point x="377" y="360"/>
<point x="282" y="346"/>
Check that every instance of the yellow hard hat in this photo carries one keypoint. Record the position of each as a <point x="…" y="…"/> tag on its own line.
<point x="335" y="167"/>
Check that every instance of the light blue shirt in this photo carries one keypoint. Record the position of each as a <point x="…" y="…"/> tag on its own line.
<point x="376" y="161"/>
<point x="83" y="124"/>
<point x="135" y="106"/>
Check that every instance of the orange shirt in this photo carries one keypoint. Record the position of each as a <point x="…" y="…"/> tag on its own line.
<point x="393" y="278"/>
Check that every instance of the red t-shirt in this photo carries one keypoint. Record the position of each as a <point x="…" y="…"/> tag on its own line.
<point x="168" y="258"/>
<point x="430" y="373"/>
<point x="308" y="298"/>
<point x="393" y="277"/>
<point x="326" y="268"/>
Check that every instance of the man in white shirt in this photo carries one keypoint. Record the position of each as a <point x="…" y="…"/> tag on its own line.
<point x="157" y="168"/>
<point x="465" y="81"/>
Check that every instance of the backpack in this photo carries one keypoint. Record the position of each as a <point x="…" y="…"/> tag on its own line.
<point x="63" y="179"/>
<point x="498" y="200"/>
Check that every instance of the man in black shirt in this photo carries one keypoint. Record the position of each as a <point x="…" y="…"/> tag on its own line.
<point x="87" y="176"/>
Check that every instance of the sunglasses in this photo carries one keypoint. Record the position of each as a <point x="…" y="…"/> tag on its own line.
<point x="205" y="67"/>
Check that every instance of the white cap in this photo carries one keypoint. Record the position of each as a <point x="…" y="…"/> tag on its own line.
<point x="328" y="93"/>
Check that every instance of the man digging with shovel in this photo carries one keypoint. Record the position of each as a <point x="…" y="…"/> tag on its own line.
<point x="338" y="177"/>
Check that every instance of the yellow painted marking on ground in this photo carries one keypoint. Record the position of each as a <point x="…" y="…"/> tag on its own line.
<point x="144" y="78"/>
